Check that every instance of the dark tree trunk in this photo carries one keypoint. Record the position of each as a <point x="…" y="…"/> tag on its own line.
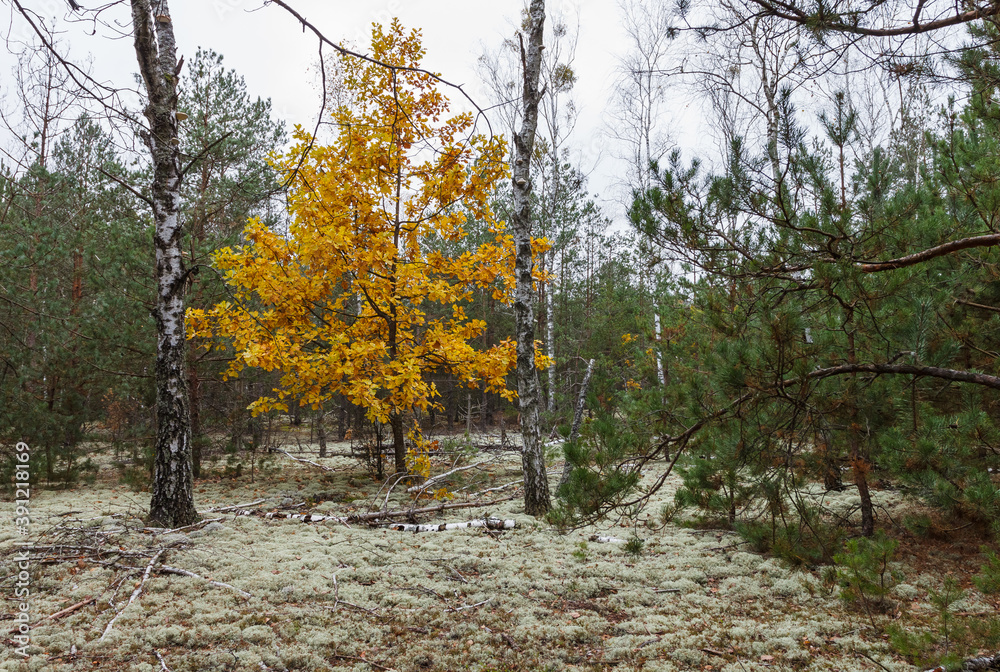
<point x="536" y="483"/>
<point x="398" y="442"/>
<point x="342" y="419"/>
<point x="321" y="433"/>
<point x="172" y="503"/>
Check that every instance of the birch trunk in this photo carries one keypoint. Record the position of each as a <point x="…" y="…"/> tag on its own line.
<point x="172" y="503"/>
<point x="536" y="484"/>
<point x="659" y="355"/>
<point x="574" y="432"/>
<point x="551" y="338"/>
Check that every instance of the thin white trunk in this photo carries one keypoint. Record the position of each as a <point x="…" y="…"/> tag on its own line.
<point x="551" y="337"/>
<point x="659" y="357"/>
<point x="581" y="402"/>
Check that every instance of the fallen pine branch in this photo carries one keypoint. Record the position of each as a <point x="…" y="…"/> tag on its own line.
<point x="135" y="593"/>
<point x="488" y="523"/>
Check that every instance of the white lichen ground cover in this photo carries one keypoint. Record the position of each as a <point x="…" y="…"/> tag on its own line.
<point x="326" y="596"/>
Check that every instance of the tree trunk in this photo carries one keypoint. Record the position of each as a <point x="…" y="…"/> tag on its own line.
<point x="550" y="306"/>
<point x="574" y="432"/>
<point x="398" y="442"/>
<point x="859" y="462"/>
<point x="536" y="485"/>
<point x="172" y="502"/>
<point x="660" y="375"/>
<point x="321" y="433"/>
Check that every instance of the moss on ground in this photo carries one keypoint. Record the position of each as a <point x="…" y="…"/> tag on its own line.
<point x="331" y="597"/>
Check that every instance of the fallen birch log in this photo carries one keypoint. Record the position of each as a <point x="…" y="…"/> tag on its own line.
<point x="975" y="664"/>
<point x="606" y="540"/>
<point x="488" y="523"/>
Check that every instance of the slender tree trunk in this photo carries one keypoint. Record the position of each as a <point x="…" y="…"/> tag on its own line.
<point x="550" y="316"/>
<point x="321" y="432"/>
<point x="859" y="462"/>
<point x="172" y="503"/>
<point x="574" y="432"/>
<point x="660" y="375"/>
<point x="536" y="484"/>
<point x="398" y="442"/>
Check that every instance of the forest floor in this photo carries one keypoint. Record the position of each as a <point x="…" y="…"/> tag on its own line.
<point x="289" y="595"/>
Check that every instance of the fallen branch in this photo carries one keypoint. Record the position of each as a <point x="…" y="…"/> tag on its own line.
<point x="183" y="572"/>
<point x="470" y="606"/>
<point x="362" y="660"/>
<point x="440" y="477"/>
<point x="488" y="523"/>
<point x="497" y="488"/>
<point x="405" y="513"/>
<point x="68" y="610"/>
<point x="304" y="461"/>
<point x="375" y="515"/>
<point x="606" y="540"/>
<point x="135" y="593"/>
<point x="975" y="664"/>
<point x="235" y="507"/>
<point x="163" y="664"/>
<point x="186" y="528"/>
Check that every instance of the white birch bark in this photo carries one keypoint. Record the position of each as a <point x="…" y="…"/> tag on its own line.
<point x="488" y="523"/>
<point x="574" y="432"/>
<point x="659" y="356"/>
<point x="172" y="502"/>
<point x="536" y="485"/>
<point x="551" y="338"/>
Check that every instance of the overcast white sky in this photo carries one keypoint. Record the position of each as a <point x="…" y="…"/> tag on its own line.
<point x="268" y="47"/>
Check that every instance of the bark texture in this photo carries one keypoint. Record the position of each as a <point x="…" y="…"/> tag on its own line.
<point x="156" y="52"/>
<point x="536" y="485"/>
<point x="574" y="432"/>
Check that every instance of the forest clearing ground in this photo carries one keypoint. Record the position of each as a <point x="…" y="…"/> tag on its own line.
<point x="327" y="596"/>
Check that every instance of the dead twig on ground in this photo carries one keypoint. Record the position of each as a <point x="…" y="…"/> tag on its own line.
<point x="135" y="593"/>
<point x="183" y="572"/>
<point x="163" y="664"/>
<point x="304" y="461"/>
<point x="179" y="530"/>
<point x="236" y="507"/>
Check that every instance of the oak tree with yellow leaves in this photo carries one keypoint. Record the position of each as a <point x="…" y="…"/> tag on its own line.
<point x="343" y="302"/>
